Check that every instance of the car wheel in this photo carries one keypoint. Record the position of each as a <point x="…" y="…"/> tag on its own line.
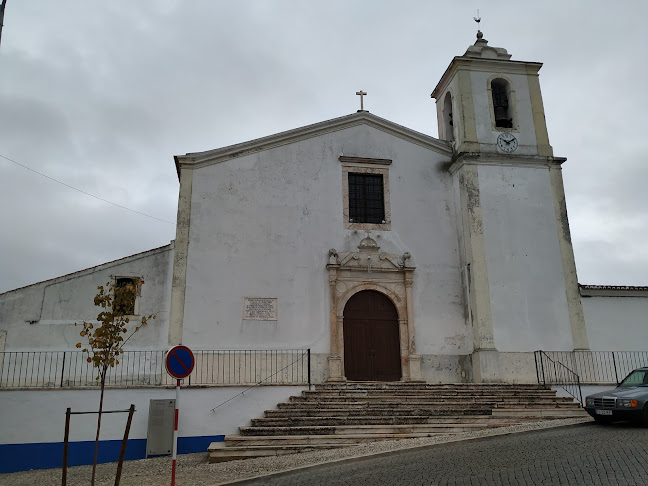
<point x="604" y="419"/>
<point x="644" y="417"/>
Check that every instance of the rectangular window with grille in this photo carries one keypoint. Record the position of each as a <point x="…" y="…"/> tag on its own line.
<point x="128" y="288"/>
<point x="366" y="198"/>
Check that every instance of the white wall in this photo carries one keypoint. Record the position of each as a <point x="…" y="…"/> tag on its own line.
<point x="616" y="323"/>
<point x="42" y="316"/>
<point x="262" y="225"/>
<point x="526" y="282"/>
<point x="44" y="411"/>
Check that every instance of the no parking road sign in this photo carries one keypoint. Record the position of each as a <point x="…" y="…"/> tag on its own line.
<point x="180" y="361"/>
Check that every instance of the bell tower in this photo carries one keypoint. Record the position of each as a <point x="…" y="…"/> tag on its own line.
<point x="519" y="273"/>
<point x="484" y="94"/>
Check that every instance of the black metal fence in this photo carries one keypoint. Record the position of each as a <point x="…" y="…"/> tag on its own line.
<point x="600" y="367"/>
<point x="572" y="369"/>
<point x="67" y="369"/>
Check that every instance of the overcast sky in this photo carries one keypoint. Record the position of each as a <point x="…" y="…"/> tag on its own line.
<point x="101" y="95"/>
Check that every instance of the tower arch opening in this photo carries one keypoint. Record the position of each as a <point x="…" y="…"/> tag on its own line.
<point x="447" y="117"/>
<point x="502" y="106"/>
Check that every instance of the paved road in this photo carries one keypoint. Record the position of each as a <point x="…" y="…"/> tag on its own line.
<point x="585" y="454"/>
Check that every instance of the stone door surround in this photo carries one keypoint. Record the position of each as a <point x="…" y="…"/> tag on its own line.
<point x="368" y="269"/>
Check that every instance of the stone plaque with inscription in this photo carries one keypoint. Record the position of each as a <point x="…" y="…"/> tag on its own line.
<point x="260" y="308"/>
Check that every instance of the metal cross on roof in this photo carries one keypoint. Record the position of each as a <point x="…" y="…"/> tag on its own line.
<point x="361" y="94"/>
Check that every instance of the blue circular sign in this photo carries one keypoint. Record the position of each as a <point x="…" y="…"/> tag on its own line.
<point x="180" y="361"/>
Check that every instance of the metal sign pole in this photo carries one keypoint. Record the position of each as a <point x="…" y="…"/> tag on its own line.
<point x="175" y="434"/>
<point x="179" y="363"/>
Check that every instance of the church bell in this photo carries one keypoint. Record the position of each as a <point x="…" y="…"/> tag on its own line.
<point x="501" y="117"/>
<point x="500" y="107"/>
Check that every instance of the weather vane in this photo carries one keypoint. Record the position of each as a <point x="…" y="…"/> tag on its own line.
<point x="478" y="19"/>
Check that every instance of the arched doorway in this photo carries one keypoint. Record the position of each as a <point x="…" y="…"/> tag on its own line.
<point x="371" y="338"/>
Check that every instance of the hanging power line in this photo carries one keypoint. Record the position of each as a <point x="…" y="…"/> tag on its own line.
<point x="2" y="10"/>
<point x="84" y="192"/>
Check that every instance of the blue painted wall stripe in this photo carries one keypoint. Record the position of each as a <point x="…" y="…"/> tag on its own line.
<point x="46" y="455"/>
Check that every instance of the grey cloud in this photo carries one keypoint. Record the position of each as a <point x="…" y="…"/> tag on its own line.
<point x="102" y="95"/>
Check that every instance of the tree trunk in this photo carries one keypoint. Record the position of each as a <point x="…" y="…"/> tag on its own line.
<point x="96" y="450"/>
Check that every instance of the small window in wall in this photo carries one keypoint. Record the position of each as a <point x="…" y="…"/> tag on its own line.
<point x="126" y="299"/>
<point x="366" y="198"/>
<point x="502" y="107"/>
<point x="447" y="117"/>
<point x="365" y="193"/>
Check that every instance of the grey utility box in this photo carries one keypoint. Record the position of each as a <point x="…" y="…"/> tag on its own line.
<point x="159" y="439"/>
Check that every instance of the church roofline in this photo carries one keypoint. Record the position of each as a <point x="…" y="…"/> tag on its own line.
<point x="201" y="159"/>
<point x="78" y="273"/>
<point x="612" y="291"/>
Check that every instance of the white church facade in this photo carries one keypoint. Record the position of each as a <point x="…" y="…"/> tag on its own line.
<point x="391" y="254"/>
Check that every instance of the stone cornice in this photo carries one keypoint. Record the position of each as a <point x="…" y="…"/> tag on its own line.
<point x="476" y="158"/>
<point x="363" y="160"/>
<point x="201" y="159"/>
<point x="461" y="63"/>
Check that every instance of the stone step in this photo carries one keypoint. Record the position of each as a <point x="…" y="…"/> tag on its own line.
<point x="343" y="412"/>
<point x="336" y="439"/>
<point x="317" y="430"/>
<point x="218" y="452"/>
<point x="567" y="405"/>
<point x="420" y="402"/>
<point x="468" y="409"/>
<point x="546" y="413"/>
<point x="460" y="419"/>
<point x="475" y="388"/>
<point x="351" y="435"/>
<point x="426" y="397"/>
<point x="393" y="402"/>
<point x="391" y="419"/>
<point x="437" y="388"/>
<point x="335" y="421"/>
<point x="422" y="396"/>
<point x="443" y="416"/>
<point x="339" y="384"/>
<point x="441" y="393"/>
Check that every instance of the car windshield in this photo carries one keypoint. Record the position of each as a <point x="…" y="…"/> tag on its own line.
<point x="636" y="378"/>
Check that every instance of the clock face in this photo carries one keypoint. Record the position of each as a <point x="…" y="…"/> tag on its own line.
<point x="507" y="142"/>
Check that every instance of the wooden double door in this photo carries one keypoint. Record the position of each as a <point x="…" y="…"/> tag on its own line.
<point x="371" y="338"/>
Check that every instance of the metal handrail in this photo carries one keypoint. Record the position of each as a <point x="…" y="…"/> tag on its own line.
<point x="265" y="379"/>
<point x="563" y="376"/>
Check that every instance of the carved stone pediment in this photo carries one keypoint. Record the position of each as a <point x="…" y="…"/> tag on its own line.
<point x="368" y="258"/>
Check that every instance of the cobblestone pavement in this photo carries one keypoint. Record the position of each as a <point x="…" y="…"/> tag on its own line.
<point x="586" y="454"/>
